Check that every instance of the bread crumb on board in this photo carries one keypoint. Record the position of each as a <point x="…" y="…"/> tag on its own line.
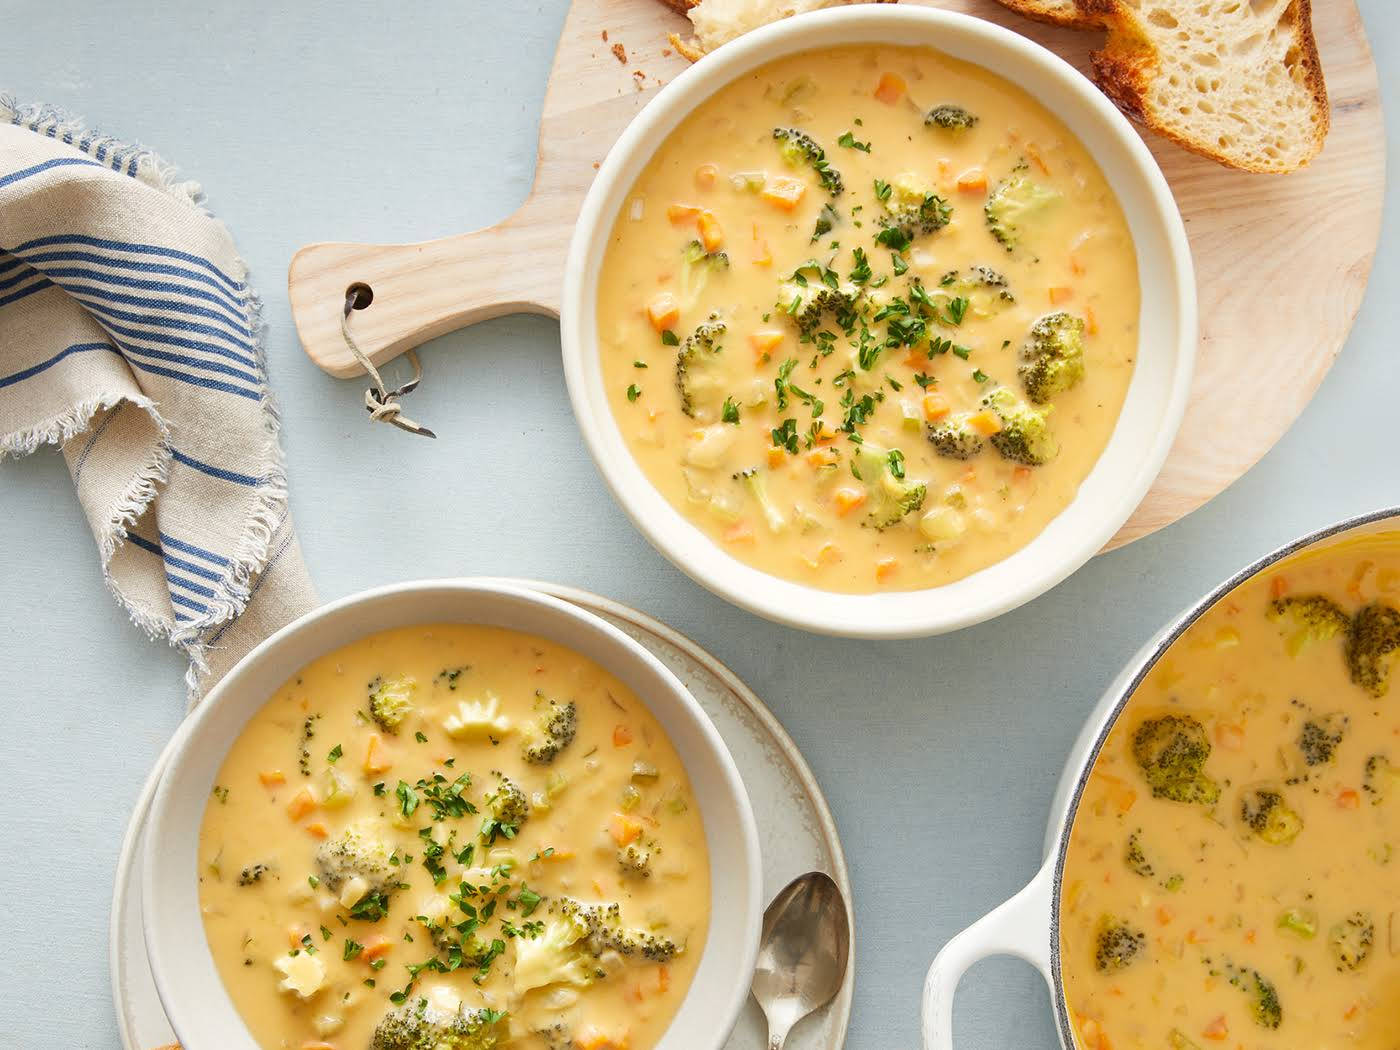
<point x="620" y="53"/>
<point x="717" y="22"/>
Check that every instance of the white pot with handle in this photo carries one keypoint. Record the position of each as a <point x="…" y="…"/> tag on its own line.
<point x="1027" y="926"/>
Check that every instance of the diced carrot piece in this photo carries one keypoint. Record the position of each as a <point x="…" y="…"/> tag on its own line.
<point x="590" y="1037"/>
<point x="968" y="476"/>
<point x="917" y="360"/>
<point x="705" y="176"/>
<point x="936" y="407"/>
<point x="890" y="89"/>
<point x="821" y="457"/>
<point x="317" y="830"/>
<point x="776" y="456"/>
<point x="663" y="979"/>
<point x="663" y="311"/>
<point x="1036" y="158"/>
<point x="985" y="423"/>
<point x="847" y="499"/>
<point x="1278" y="586"/>
<point x="624" y="829"/>
<point x="1164" y="916"/>
<point x="1348" y="799"/>
<point x="680" y="214"/>
<point x="1351" y="1011"/>
<point x="1218" y="1030"/>
<point x="974" y="180"/>
<point x="302" y="803"/>
<point x="1091" y="321"/>
<point x="296" y="935"/>
<point x="828" y="552"/>
<point x="377" y="758"/>
<point x="272" y="777"/>
<point x="1060" y="294"/>
<point x="885" y="568"/>
<point x="822" y="436"/>
<point x="376" y="947"/>
<point x="783" y="191"/>
<point x="762" y="254"/>
<point x="739" y="532"/>
<point x="1021" y="474"/>
<point x="622" y="735"/>
<point x="765" y="340"/>
<point x="1230" y="736"/>
<point x="711" y="236"/>
<point x="1076" y="265"/>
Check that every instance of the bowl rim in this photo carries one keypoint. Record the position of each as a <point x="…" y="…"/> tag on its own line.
<point x="1101" y="722"/>
<point x="997" y="588"/>
<point x="734" y="804"/>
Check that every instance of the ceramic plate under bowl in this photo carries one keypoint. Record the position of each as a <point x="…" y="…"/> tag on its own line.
<point x="795" y="825"/>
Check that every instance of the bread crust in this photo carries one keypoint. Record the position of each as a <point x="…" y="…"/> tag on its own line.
<point x="1126" y="65"/>
<point x="680" y="6"/>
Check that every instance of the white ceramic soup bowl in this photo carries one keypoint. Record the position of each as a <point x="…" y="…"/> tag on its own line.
<point x="190" y="989"/>
<point x="1156" y="397"/>
<point x="1028" y="925"/>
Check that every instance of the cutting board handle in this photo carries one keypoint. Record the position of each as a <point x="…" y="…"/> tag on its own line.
<point x="420" y="291"/>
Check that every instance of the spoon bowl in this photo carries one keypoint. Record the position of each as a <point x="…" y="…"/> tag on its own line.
<point x="802" y="953"/>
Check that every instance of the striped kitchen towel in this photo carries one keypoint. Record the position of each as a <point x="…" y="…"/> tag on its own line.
<point x="129" y="338"/>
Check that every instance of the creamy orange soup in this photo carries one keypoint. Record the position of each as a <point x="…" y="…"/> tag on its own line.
<point x="454" y="832"/>
<point x="1233" y="875"/>
<point x="868" y="318"/>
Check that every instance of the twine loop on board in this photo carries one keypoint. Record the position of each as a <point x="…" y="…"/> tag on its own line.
<point x="381" y="403"/>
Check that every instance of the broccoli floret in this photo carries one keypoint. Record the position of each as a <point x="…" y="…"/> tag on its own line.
<point x="1319" y="738"/>
<point x="807" y="303"/>
<point x="477" y="718"/>
<point x="1264" y="1006"/>
<point x="391" y="700"/>
<point x="606" y="931"/>
<point x="552" y="732"/>
<point x="421" y="1025"/>
<point x="1025" y="435"/>
<point x="253" y="873"/>
<point x="507" y="810"/>
<point x="359" y="852"/>
<point x="1307" y="618"/>
<point x="1172" y="752"/>
<point x="985" y="289"/>
<point x="1373" y="648"/>
<point x="557" y="954"/>
<point x="950" y="118"/>
<point x="753" y="481"/>
<point x="911" y="210"/>
<point x="1265" y="813"/>
<point x="1117" y="945"/>
<point x="1136" y="858"/>
<point x="800" y="148"/>
<point x="1351" y="940"/>
<point x="1177" y="1040"/>
<point x="635" y="860"/>
<point x="1380" y="778"/>
<point x="954" y="437"/>
<point x="1299" y="921"/>
<point x="890" y="497"/>
<point x="1016" y="199"/>
<point x="697" y="267"/>
<point x="698" y="369"/>
<point x="1052" y="358"/>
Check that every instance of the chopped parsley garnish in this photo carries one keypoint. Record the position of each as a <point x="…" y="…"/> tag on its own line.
<point x="634" y="392"/>
<point x="849" y="141"/>
<point x="860" y="272"/>
<point x="352" y="950"/>
<point x="669" y="338"/>
<point x="785" y="436"/>
<point x="408" y="799"/>
<point x="334" y="755"/>
<point x="730" y="412"/>
<point x="979" y="376"/>
<point x="896" y="459"/>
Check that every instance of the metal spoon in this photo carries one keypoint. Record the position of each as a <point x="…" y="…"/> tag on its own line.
<point x="802" y="954"/>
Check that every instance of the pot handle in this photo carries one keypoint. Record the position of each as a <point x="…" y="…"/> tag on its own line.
<point x="1020" y="927"/>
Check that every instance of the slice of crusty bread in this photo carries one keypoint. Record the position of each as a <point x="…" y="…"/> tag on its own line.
<point x="1239" y="81"/>
<point x="717" y="22"/>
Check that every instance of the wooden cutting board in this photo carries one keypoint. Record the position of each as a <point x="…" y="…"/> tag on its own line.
<point x="1279" y="289"/>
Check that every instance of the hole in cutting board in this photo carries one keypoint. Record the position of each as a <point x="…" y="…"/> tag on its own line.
<point x="359" y="295"/>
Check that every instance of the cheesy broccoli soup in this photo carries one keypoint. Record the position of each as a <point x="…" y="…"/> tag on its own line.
<point x="454" y="837"/>
<point x="1233" y="874"/>
<point x="868" y="318"/>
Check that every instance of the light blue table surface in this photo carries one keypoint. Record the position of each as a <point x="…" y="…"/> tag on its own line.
<point x="356" y="121"/>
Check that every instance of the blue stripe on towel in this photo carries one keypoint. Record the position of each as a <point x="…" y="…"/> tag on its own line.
<point x="190" y="585"/>
<point x="43" y="366"/>
<point x="190" y="603"/>
<point x="133" y="247"/>
<point x="56" y="162"/>
<point x="85" y="291"/>
<point x="219" y="298"/>
<point x="190" y="548"/>
<point x="216" y="472"/>
<point x="29" y="289"/>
